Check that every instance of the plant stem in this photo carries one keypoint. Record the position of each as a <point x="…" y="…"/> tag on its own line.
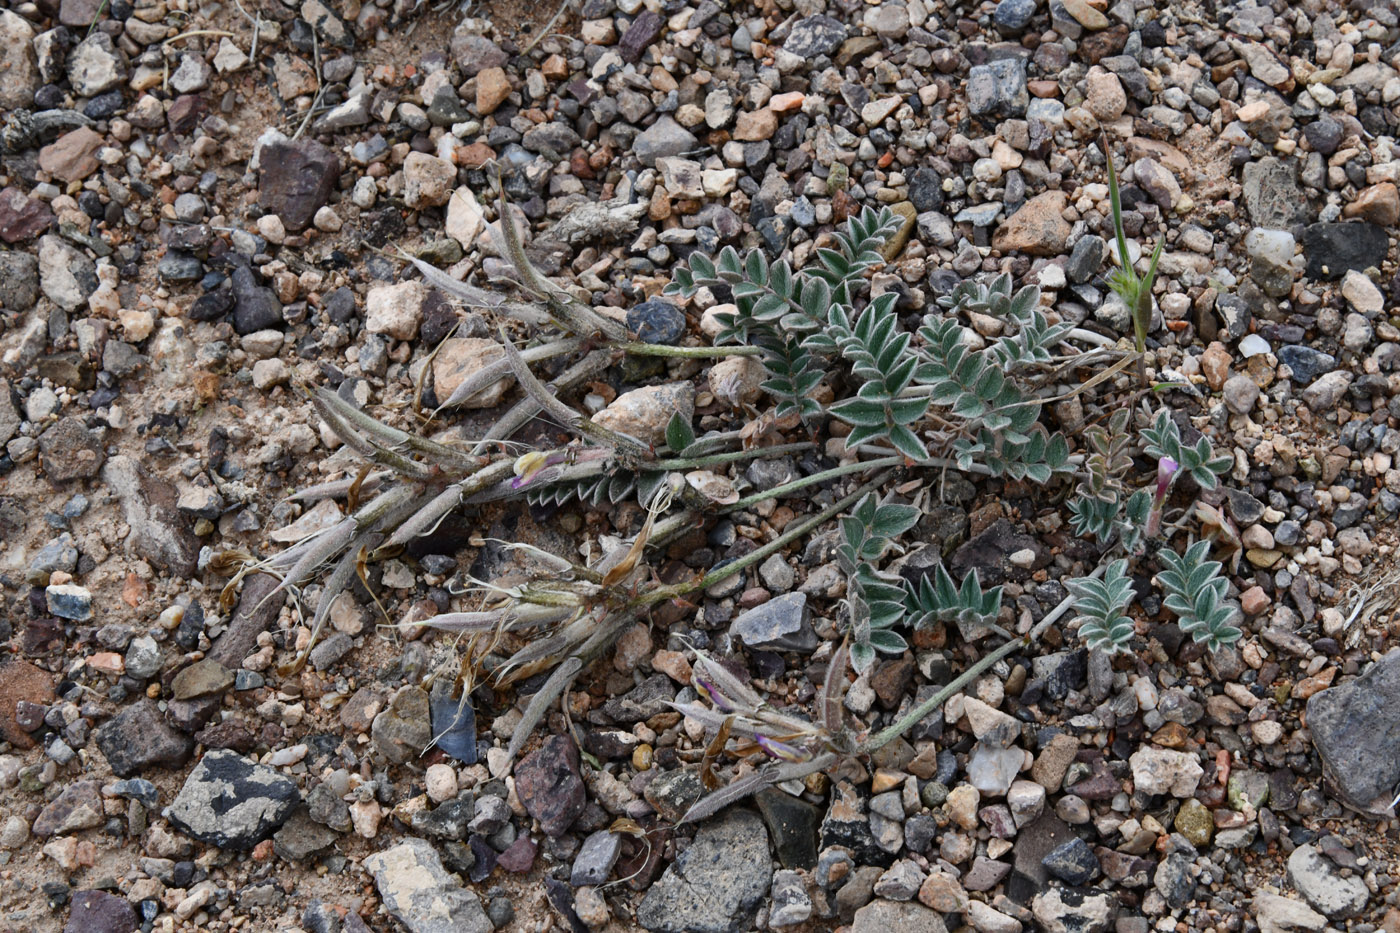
<point x="888" y="735"/>
<point x="525" y="409"/>
<point x="793" y="532"/>
<point x="637" y="348"/>
<point x="932" y="463"/>
<point x="814" y="480"/>
<point x="735" y="456"/>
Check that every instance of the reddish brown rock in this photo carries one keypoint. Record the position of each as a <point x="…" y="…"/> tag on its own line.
<point x="73" y="156"/>
<point x="100" y="912"/>
<point x="756" y="125"/>
<point x="296" y="178"/>
<point x="520" y="857"/>
<point x="1378" y="204"/>
<point x="185" y="112"/>
<point x="549" y="785"/>
<point x="21" y="681"/>
<point x="492" y="89"/>
<point x="22" y="217"/>
<point x="1038" y="228"/>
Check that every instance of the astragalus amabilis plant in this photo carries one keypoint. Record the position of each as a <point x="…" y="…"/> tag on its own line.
<point x="915" y="406"/>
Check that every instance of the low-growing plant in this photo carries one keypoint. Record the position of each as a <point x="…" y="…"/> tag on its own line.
<point x="915" y="403"/>
<point x="1124" y="281"/>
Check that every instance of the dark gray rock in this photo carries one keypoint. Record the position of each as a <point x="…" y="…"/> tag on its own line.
<point x="716" y="884"/>
<point x="492" y="814"/>
<point x="138" y="789"/>
<point x="1073" y="862"/>
<point x="329" y="25"/>
<point x="1085" y="259"/>
<point x="19" y="280"/>
<point x="1061" y="672"/>
<point x="447" y="108"/>
<point x="454" y="724"/>
<point x="1235" y="315"/>
<point x="1324" y="135"/>
<point x="320" y="917"/>
<point x="814" y="35"/>
<point x="770" y="473"/>
<point x="674" y="792"/>
<point x="69" y="601"/>
<point x="448" y="820"/>
<point x="1012" y="16"/>
<point x="177" y="267"/>
<point x="326" y="808"/>
<point x="656" y="321"/>
<point x="1307" y="364"/>
<point x="1173" y="880"/>
<point x="663" y="138"/>
<point x="121" y="359"/>
<point x="231" y="802"/>
<point x="302" y="837"/>
<point x="781" y="624"/>
<point x="596" y="858"/>
<point x="554" y="138"/>
<point x="998" y="89"/>
<point x="1035" y="841"/>
<point x="295" y="178"/>
<point x="792" y="826"/>
<point x="1334" y="248"/>
<point x="926" y="190"/>
<point x="255" y="307"/>
<point x="404" y="729"/>
<point x="1244" y="508"/>
<point x="474" y="54"/>
<point x="329" y="652"/>
<point x="847" y="824"/>
<point x="138" y="738"/>
<point x="1356" y="729"/>
<point x="988" y="552"/>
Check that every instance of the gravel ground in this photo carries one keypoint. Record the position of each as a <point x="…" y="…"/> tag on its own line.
<point x="196" y="201"/>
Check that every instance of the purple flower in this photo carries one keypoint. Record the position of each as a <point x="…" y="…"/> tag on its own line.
<point x="1166" y="469"/>
<point x="528" y="466"/>
<point x="782" y="750"/>
<point x="707" y="689"/>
